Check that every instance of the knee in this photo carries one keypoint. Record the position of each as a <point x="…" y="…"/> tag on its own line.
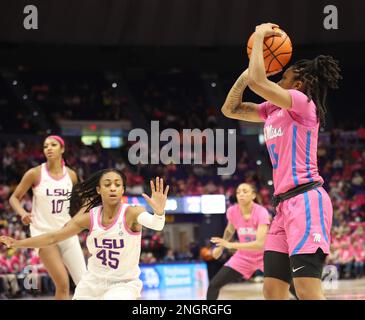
<point x="307" y="293"/>
<point x="269" y="293"/>
<point x="272" y="293"/>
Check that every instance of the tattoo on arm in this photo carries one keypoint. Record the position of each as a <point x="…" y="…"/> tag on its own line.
<point x="234" y="99"/>
<point x="227" y="234"/>
<point x="243" y="109"/>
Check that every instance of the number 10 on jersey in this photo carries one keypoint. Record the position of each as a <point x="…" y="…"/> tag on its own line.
<point x="57" y="206"/>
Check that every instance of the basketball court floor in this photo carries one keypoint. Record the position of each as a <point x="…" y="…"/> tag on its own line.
<point x="341" y="290"/>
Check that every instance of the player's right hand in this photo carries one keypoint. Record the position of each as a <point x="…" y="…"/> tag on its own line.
<point x="217" y="252"/>
<point x="9" y="242"/>
<point x="27" y="219"/>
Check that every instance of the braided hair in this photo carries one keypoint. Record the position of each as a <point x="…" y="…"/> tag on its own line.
<point x="318" y="75"/>
<point x="84" y="193"/>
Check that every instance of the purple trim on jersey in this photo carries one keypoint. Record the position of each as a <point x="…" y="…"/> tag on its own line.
<point x="114" y="221"/>
<point x="132" y="233"/>
<point x="91" y="215"/>
<point x="56" y="179"/>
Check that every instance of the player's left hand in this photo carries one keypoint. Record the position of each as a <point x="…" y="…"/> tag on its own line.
<point x="267" y="30"/>
<point x="157" y="201"/>
<point x="220" y="242"/>
<point x="8" y="241"/>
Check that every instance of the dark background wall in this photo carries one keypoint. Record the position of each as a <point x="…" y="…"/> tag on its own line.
<point x="177" y="22"/>
<point x="131" y="36"/>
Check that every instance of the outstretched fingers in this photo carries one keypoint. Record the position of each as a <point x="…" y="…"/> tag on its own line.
<point x="152" y="186"/>
<point x="166" y="190"/>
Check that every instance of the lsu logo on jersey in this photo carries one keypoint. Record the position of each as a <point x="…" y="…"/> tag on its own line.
<point x="58" y="192"/>
<point x="109" y="243"/>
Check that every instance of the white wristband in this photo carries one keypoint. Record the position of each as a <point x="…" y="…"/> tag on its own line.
<point x="152" y="221"/>
<point x="159" y="216"/>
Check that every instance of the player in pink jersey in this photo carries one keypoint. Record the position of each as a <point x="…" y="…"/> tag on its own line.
<point x="299" y="236"/>
<point x="251" y="222"/>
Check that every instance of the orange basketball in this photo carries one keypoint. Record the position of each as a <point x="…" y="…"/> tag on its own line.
<point x="277" y="51"/>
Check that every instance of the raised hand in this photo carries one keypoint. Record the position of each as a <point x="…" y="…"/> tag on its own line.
<point x="220" y="242"/>
<point x="268" y="29"/>
<point x="157" y="201"/>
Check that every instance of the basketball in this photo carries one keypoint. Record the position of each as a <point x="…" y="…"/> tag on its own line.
<point x="277" y="51"/>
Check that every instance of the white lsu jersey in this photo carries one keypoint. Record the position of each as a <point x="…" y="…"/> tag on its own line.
<point x="115" y="249"/>
<point x="50" y="207"/>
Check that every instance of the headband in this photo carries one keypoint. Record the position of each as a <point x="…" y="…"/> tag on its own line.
<point x="58" y="138"/>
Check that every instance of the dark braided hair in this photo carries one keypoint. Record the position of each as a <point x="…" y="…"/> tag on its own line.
<point x="318" y="75"/>
<point x="84" y="193"/>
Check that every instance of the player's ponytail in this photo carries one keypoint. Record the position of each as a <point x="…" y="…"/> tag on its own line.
<point x="84" y="193"/>
<point x="318" y="75"/>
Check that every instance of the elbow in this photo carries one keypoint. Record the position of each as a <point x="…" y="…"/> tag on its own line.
<point x="251" y="77"/>
<point x="224" y="111"/>
<point x="11" y="199"/>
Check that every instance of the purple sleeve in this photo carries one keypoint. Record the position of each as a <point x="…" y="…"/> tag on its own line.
<point x="304" y="110"/>
<point x="263" y="216"/>
<point x="263" y="109"/>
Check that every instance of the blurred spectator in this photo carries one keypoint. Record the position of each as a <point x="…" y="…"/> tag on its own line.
<point x="170" y="256"/>
<point x="10" y="282"/>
